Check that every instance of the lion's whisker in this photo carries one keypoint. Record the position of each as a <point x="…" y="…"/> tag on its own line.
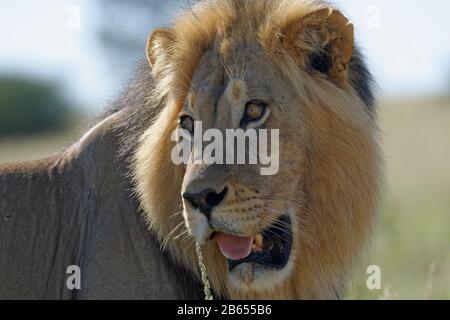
<point x="242" y="73"/>
<point x="167" y="238"/>
<point x="301" y="220"/>
<point x="180" y="235"/>
<point x="175" y="214"/>
<point x="280" y="224"/>
<point x="230" y="76"/>
<point x="273" y="221"/>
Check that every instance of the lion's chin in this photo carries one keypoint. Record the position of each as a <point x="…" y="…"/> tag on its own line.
<point x="255" y="277"/>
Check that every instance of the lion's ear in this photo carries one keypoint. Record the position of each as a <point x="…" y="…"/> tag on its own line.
<point x="323" y="41"/>
<point x="159" y="46"/>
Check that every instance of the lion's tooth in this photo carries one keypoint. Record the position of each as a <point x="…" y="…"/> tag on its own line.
<point x="258" y="240"/>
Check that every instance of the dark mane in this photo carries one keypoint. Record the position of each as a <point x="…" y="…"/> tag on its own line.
<point x="362" y="80"/>
<point x="138" y="110"/>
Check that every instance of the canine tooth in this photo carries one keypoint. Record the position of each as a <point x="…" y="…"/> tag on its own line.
<point x="258" y="240"/>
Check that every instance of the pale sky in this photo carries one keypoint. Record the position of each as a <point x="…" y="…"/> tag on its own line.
<point x="407" y="43"/>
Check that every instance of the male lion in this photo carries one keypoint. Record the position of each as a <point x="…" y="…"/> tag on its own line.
<point x="284" y="64"/>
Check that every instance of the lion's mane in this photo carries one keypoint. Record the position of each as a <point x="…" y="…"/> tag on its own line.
<point x="342" y="183"/>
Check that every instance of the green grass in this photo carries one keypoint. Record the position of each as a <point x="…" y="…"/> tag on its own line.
<point x="412" y="241"/>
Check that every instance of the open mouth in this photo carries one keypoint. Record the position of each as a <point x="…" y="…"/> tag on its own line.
<point x="270" y="248"/>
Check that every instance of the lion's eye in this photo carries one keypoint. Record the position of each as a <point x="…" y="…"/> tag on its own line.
<point x="254" y="111"/>
<point x="187" y="123"/>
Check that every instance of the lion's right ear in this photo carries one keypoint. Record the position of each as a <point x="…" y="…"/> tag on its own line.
<point x="160" y="46"/>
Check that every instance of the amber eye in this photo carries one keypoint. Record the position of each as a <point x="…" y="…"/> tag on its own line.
<point x="187" y="123"/>
<point x="254" y="111"/>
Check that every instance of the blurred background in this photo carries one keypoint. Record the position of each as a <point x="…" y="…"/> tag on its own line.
<point x="62" y="61"/>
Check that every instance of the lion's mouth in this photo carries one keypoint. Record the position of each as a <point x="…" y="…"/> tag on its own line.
<point x="270" y="248"/>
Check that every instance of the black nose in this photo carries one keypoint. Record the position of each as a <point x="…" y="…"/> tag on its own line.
<point x="206" y="200"/>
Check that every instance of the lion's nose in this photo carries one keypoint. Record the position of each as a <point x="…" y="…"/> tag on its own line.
<point x="206" y="200"/>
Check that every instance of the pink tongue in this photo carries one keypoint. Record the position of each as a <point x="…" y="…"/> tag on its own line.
<point x="234" y="247"/>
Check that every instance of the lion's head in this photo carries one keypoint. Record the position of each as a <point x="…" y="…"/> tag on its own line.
<point x="286" y="65"/>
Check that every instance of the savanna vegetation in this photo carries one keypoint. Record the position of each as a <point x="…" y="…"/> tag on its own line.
<point x="30" y="106"/>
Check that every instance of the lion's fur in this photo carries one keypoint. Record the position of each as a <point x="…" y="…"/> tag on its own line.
<point x="343" y="163"/>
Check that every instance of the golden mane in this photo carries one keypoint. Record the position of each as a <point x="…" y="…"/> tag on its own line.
<point x="339" y="184"/>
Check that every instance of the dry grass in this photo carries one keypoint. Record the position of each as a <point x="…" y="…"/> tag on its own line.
<point x="24" y="148"/>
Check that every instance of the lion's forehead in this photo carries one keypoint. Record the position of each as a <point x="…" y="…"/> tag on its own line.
<point x="220" y="86"/>
<point x="214" y="71"/>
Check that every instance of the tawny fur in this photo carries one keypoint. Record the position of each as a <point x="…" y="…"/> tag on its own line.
<point x="342" y="169"/>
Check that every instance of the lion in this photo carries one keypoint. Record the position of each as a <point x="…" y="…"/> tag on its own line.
<point x="116" y="205"/>
<point x="282" y="64"/>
